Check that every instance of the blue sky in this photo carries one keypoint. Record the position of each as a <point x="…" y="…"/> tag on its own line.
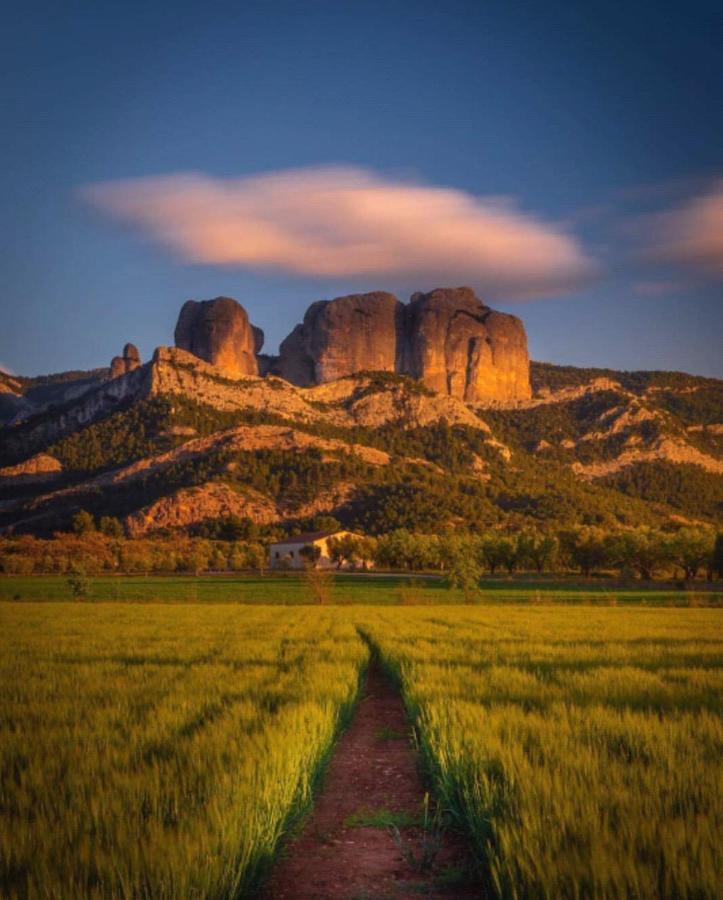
<point x="593" y="128"/>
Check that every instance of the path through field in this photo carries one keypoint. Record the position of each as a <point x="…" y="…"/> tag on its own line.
<point x="372" y="776"/>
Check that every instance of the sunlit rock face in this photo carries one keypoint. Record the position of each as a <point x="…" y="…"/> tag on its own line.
<point x="458" y="346"/>
<point x="448" y="339"/>
<point x="130" y="360"/>
<point x="219" y="332"/>
<point x="339" y="337"/>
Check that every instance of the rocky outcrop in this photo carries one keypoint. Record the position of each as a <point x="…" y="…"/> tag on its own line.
<point x="128" y="362"/>
<point x="219" y="332"/>
<point x="664" y="449"/>
<point x="191" y="506"/>
<point x="361" y="332"/>
<point x="447" y="339"/>
<point x="458" y="346"/>
<point x="39" y="468"/>
<point x="93" y="401"/>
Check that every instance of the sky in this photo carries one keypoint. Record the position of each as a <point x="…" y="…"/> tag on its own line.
<point x="563" y="159"/>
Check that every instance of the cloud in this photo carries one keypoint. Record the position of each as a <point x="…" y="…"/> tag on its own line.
<point x="343" y="221"/>
<point x="691" y="234"/>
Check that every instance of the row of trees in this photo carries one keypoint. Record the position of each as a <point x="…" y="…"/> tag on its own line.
<point x="96" y="553"/>
<point x="644" y="552"/>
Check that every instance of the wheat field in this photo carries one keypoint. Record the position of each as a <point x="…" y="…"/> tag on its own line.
<point x="165" y="751"/>
<point x="580" y="749"/>
<point x="153" y="755"/>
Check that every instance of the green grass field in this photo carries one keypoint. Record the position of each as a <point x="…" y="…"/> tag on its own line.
<point x="372" y="589"/>
<point x="158" y="750"/>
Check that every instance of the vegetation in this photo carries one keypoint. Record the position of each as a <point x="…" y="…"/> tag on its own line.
<point x="172" y="753"/>
<point x="581" y="753"/>
<point x="143" y="429"/>
<point x="646" y="553"/>
<point x="555" y="378"/>
<point x="580" y="749"/>
<point x="686" y="488"/>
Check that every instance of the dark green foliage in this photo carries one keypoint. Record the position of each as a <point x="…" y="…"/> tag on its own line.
<point x="555" y="378"/>
<point x="383" y="508"/>
<point x="83" y="523"/>
<point x="441" y="476"/>
<point x="701" y="406"/>
<point x="555" y="422"/>
<point x="379" y="382"/>
<point x="717" y="562"/>
<point x="687" y="488"/>
<point x="142" y="430"/>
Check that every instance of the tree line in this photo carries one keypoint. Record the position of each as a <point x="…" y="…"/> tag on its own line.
<point x="646" y="553"/>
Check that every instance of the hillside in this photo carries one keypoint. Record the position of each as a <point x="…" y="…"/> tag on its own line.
<point x="179" y="443"/>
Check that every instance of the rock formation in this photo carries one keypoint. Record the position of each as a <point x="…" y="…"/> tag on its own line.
<point x="130" y="360"/>
<point x="343" y="336"/>
<point x="219" y="332"/>
<point x="448" y="339"/>
<point x="458" y="346"/>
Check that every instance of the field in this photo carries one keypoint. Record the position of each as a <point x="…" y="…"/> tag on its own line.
<point x="580" y="749"/>
<point x="165" y="750"/>
<point x="148" y="755"/>
<point x="380" y="589"/>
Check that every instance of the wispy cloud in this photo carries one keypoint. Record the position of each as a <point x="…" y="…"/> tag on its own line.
<point x="690" y="234"/>
<point x="343" y="221"/>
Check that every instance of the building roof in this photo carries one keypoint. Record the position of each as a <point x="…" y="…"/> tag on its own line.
<point x="307" y="538"/>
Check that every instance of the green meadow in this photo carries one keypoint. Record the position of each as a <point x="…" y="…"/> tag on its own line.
<point x="348" y="588"/>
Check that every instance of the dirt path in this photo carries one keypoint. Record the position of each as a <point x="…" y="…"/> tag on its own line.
<point x="372" y="774"/>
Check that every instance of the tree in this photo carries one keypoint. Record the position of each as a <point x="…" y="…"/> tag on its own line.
<point x="78" y="583"/>
<point x="319" y="584"/>
<point x="537" y="550"/>
<point x="508" y="552"/>
<point x="257" y="557"/>
<point x="641" y="549"/>
<point x="219" y="560"/>
<point x="326" y="523"/>
<point x="83" y="522"/>
<point x="110" y="526"/>
<point x="493" y="551"/>
<point x="345" y="549"/>
<point x="692" y="549"/>
<point x="586" y="548"/>
<point x="463" y="568"/>
<point x="310" y="555"/>
<point x="717" y="560"/>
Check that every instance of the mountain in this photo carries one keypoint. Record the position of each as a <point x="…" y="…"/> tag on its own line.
<point x="424" y="415"/>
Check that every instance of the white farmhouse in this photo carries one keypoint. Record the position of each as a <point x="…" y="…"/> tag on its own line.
<point x="287" y="554"/>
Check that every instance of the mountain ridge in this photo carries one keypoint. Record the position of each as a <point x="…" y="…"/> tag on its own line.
<point x="177" y="442"/>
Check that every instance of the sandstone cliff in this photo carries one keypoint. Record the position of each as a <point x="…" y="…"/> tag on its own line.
<point x="447" y="339"/>
<point x="219" y="332"/>
<point x="361" y="332"/>
<point x="458" y="346"/>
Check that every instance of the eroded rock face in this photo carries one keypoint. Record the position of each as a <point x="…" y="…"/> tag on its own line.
<point x="343" y="336"/>
<point x="130" y="360"/>
<point x="448" y="339"/>
<point x="459" y="346"/>
<point x="219" y="332"/>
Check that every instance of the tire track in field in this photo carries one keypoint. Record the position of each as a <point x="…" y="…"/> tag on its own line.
<point x="372" y="775"/>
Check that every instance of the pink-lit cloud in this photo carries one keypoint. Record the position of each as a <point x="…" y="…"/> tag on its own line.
<point x="341" y="221"/>
<point x="691" y="234"/>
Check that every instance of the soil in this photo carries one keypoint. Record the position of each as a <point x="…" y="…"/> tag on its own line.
<point x="373" y="770"/>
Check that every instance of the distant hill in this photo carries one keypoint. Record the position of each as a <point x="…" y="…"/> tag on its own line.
<point x="179" y="443"/>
